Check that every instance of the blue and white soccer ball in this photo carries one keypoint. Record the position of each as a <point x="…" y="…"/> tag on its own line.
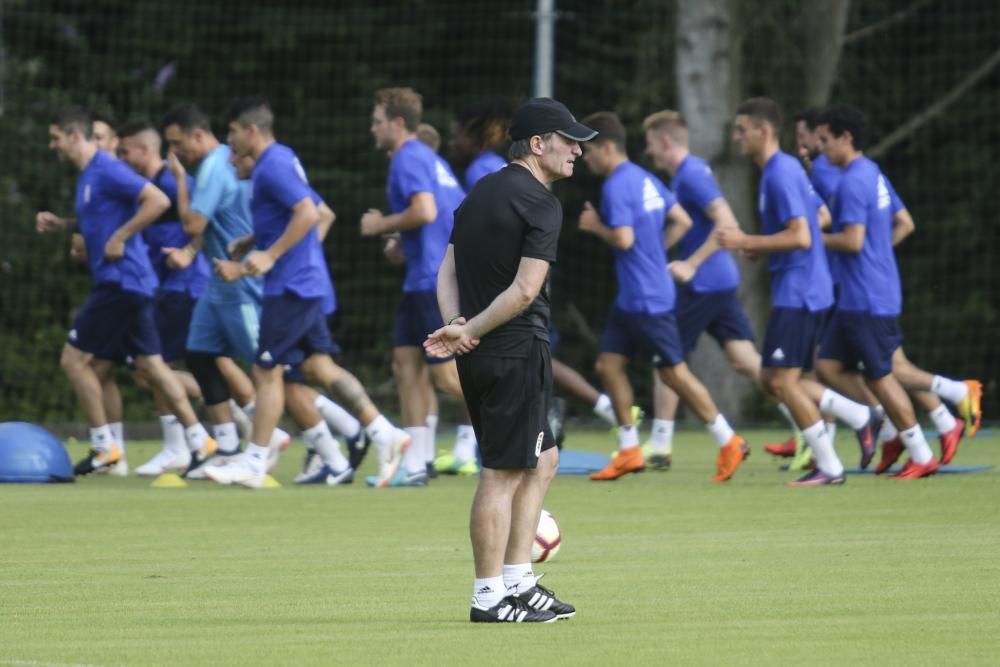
<point x="548" y="539"/>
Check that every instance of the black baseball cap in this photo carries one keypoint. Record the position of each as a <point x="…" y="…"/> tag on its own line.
<point x="541" y="115"/>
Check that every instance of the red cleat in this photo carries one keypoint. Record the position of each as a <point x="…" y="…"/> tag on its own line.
<point x="784" y="449"/>
<point x="916" y="470"/>
<point x="891" y="451"/>
<point x="949" y="442"/>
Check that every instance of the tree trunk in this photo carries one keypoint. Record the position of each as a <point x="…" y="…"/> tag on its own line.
<point x="823" y="27"/>
<point x="709" y="65"/>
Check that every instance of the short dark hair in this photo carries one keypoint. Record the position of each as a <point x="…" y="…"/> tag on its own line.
<point x="188" y="118"/>
<point x="522" y="147"/>
<point x="105" y="117"/>
<point x="134" y="127"/>
<point x="842" y="118"/>
<point x="761" y="109"/>
<point x="72" y="119"/>
<point x="810" y="117"/>
<point x="404" y="103"/>
<point x="251" y="110"/>
<point x="610" y="128"/>
<point x="487" y="123"/>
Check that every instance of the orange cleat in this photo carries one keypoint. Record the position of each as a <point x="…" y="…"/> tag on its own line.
<point x="916" y="470"/>
<point x="729" y="459"/>
<point x="784" y="449"/>
<point x="891" y="451"/>
<point x="624" y="462"/>
<point x="949" y="443"/>
<point x="970" y="408"/>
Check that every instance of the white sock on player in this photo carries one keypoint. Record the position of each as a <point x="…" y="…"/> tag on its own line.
<point x="319" y="439"/>
<point x="661" y="437"/>
<point x="465" y="443"/>
<point x="721" y="430"/>
<point x="853" y="414"/>
<point x="173" y="433"/>
<point x="339" y="419"/>
<point x="487" y="593"/>
<point x="431" y="445"/>
<point x="226" y="437"/>
<point x="118" y="433"/>
<point x="518" y="578"/>
<point x="604" y="410"/>
<point x="916" y="444"/>
<point x="101" y="438"/>
<point x="628" y="437"/>
<point x="822" y="447"/>
<point x="195" y="436"/>
<point x="413" y="459"/>
<point x="952" y="391"/>
<point x="943" y="420"/>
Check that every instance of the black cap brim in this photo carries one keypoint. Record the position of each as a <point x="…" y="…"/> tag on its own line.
<point x="578" y="132"/>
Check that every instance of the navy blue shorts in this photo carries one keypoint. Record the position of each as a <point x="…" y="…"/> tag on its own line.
<point x="791" y="338"/>
<point x="720" y="314"/>
<point x="418" y="315"/>
<point x="862" y="341"/>
<point x="650" y="333"/>
<point x="291" y="330"/>
<point x="173" y="317"/>
<point x="114" y="320"/>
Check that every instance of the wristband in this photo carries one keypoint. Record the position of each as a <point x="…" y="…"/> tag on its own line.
<point x="452" y="320"/>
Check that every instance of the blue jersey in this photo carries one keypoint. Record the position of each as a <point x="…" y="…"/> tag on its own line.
<point x="218" y="197"/>
<point x="485" y="163"/>
<point x="695" y="188"/>
<point x="167" y="232"/>
<point x="632" y="197"/>
<point x="279" y="183"/>
<point x="869" y="280"/>
<point x="416" y="168"/>
<point x="106" y="195"/>
<point x="799" y="278"/>
<point x="825" y="177"/>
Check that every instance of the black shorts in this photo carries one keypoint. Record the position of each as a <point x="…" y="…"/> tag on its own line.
<point x="508" y="400"/>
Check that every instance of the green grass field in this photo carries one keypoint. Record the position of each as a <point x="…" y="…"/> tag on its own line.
<point x="664" y="568"/>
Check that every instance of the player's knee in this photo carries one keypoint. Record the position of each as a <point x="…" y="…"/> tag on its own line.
<point x="773" y="383"/>
<point x="72" y="360"/>
<point x="209" y="377"/>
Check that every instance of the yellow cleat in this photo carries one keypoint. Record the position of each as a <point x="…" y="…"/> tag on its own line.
<point x="970" y="408"/>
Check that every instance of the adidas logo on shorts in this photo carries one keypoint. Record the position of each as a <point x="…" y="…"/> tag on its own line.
<point x="778" y="355"/>
<point x="266" y="357"/>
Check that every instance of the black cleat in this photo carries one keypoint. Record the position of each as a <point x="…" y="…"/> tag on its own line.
<point x="357" y="448"/>
<point x="97" y="460"/>
<point x="432" y="473"/>
<point x="512" y="609"/>
<point x="542" y="599"/>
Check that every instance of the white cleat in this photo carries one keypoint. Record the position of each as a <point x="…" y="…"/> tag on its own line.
<point x="166" y="460"/>
<point x="388" y="466"/>
<point x="236" y="471"/>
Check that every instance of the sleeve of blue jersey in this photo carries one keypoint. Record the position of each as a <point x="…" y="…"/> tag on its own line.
<point x="284" y="183"/>
<point x="700" y="187"/>
<point x="208" y="187"/>
<point x="895" y="202"/>
<point x="852" y="205"/>
<point x="786" y="196"/>
<point x="615" y="211"/>
<point x="668" y="195"/>
<point x="413" y="175"/>
<point x="122" y="183"/>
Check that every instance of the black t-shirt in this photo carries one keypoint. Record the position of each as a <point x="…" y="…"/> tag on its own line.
<point x="507" y="216"/>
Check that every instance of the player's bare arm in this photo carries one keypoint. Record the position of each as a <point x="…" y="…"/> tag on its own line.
<point x="421" y="211"/>
<point x="152" y="204"/>
<point x="721" y="214"/>
<point x="850" y="239"/>
<point x="902" y="226"/>
<point x="795" y="236"/>
<point x="194" y="223"/>
<point x="620" y="238"/>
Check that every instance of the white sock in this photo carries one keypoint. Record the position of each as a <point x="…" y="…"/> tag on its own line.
<point x="604" y="410"/>
<point x="787" y="414"/>
<point x="173" y="433"/>
<point x="831" y="430"/>
<point x="952" y="391"/>
<point x="465" y="443"/>
<point x="430" y="446"/>
<point x="916" y="444"/>
<point x="888" y="431"/>
<point x="227" y="437"/>
<point x="822" y="447"/>
<point x="256" y="457"/>
<point x="118" y="433"/>
<point x="338" y="418"/>
<point x="628" y="437"/>
<point x="662" y="436"/>
<point x="487" y="593"/>
<point x="249" y="409"/>
<point x="943" y="420"/>
<point x="721" y="429"/>
<point x="101" y="438"/>
<point x="278" y="437"/>
<point x="413" y="459"/>
<point x="319" y="439"/>
<point x="243" y="423"/>
<point x="381" y="432"/>
<point x="195" y="436"/>
<point x="853" y="414"/>
<point x="518" y="578"/>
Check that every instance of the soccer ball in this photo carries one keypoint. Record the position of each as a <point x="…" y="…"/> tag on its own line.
<point x="547" y="539"/>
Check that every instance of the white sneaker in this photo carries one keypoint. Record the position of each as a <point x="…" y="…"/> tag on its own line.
<point x="166" y="460"/>
<point x="236" y="471"/>
<point x="216" y="460"/>
<point x="280" y="440"/>
<point x="389" y="462"/>
<point x="117" y="469"/>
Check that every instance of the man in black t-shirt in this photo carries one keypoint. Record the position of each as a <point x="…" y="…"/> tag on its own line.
<point x="490" y="294"/>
